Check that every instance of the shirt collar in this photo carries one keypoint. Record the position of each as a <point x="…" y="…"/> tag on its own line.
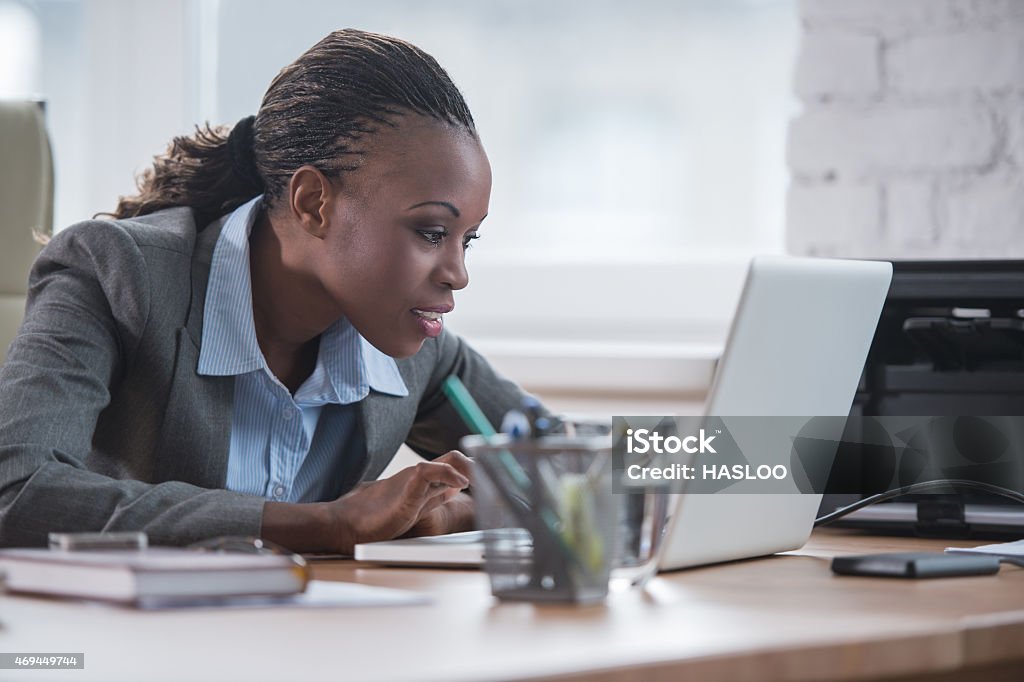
<point x="382" y="371"/>
<point x="229" y="344"/>
<point x="347" y="365"/>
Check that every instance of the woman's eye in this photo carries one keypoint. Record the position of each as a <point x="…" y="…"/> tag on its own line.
<point x="435" y="237"/>
<point x="469" y="238"/>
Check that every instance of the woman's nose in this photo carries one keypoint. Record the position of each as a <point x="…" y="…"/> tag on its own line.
<point x="452" y="271"/>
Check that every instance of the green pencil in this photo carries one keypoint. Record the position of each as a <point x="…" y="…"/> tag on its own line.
<point x="475" y="419"/>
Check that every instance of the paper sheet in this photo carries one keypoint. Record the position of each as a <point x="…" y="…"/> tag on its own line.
<point x="318" y="594"/>
<point x="1011" y="552"/>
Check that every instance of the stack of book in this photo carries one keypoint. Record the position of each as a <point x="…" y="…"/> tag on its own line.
<point x="150" y="577"/>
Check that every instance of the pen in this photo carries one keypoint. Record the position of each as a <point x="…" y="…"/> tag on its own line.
<point x="475" y="419"/>
<point x="467" y="408"/>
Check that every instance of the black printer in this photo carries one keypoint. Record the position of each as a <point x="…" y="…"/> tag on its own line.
<point x="949" y="343"/>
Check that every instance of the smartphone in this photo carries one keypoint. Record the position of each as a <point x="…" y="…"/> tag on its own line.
<point x="915" y="565"/>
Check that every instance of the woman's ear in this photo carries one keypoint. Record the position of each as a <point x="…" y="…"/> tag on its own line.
<point x="310" y="194"/>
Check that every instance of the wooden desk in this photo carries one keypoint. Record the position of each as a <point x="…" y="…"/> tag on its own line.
<point x="780" y="618"/>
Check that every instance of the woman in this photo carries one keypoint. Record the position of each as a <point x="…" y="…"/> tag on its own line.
<point x="260" y="328"/>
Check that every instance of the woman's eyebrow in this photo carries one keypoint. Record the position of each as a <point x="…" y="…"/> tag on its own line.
<point x="451" y="208"/>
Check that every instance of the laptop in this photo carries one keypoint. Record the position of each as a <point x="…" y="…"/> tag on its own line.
<point x="796" y="347"/>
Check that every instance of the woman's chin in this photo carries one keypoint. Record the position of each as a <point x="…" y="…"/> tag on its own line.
<point x="401" y="349"/>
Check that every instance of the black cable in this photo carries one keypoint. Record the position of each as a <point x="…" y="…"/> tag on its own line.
<point x="917" y="488"/>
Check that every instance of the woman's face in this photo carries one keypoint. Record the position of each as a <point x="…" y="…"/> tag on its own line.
<point x="394" y="253"/>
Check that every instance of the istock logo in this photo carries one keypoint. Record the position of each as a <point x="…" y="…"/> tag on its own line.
<point x="642" y="441"/>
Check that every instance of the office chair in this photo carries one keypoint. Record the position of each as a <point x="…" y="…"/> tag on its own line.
<point x="26" y="205"/>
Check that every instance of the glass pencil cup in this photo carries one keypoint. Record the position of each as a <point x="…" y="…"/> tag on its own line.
<point x="548" y="516"/>
<point x="643" y="520"/>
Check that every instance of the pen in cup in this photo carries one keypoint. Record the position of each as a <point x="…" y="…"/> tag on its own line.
<point x="550" y="526"/>
<point x="476" y="420"/>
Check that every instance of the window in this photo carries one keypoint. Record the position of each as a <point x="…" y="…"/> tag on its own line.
<point x="633" y="144"/>
<point x="19" y="51"/>
<point x="637" y="148"/>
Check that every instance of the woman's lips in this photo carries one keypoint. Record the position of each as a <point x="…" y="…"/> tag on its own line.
<point x="430" y="320"/>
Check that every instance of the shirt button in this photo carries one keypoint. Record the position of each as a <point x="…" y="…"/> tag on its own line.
<point x="288" y="412"/>
<point x="279" y="491"/>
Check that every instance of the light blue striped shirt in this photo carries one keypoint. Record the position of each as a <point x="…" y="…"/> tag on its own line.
<point x="301" y="448"/>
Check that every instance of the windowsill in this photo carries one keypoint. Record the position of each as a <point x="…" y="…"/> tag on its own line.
<point x="646" y="329"/>
<point x="603" y="367"/>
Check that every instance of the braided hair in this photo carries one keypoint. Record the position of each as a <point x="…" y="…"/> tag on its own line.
<point x="315" y="111"/>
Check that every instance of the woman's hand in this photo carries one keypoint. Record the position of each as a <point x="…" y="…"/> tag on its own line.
<point x="390" y="507"/>
<point x="454" y="516"/>
<point x="423" y="499"/>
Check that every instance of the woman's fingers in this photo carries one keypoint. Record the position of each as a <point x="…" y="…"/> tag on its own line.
<point x="432" y="503"/>
<point x="463" y="464"/>
<point x="390" y="507"/>
<point x="431" y="478"/>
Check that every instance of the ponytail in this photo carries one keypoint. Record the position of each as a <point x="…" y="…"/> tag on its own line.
<point x="199" y="171"/>
<point x="314" y="112"/>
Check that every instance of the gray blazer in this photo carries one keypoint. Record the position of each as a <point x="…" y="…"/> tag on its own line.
<point x="104" y="422"/>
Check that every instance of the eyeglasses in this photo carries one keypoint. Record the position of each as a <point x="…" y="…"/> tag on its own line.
<point x="238" y="544"/>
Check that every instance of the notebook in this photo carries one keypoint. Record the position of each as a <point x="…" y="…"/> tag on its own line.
<point x="454" y="549"/>
<point x="156" y="574"/>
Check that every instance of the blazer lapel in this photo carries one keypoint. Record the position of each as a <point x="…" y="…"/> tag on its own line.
<point x="385" y="419"/>
<point x="196" y="433"/>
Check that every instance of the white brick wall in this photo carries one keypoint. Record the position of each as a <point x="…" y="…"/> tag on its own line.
<point x="911" y="216"/>
<point x="979" y="60"/>
<point x="851" y="213"/>
<point x="863" y="142"/>
<point x="986" y="212"/>
<point x="838" y="63"/>
<point x="1012" y="113"/>
<point x="906" y="17"/>
<point x="911" y="139"/>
